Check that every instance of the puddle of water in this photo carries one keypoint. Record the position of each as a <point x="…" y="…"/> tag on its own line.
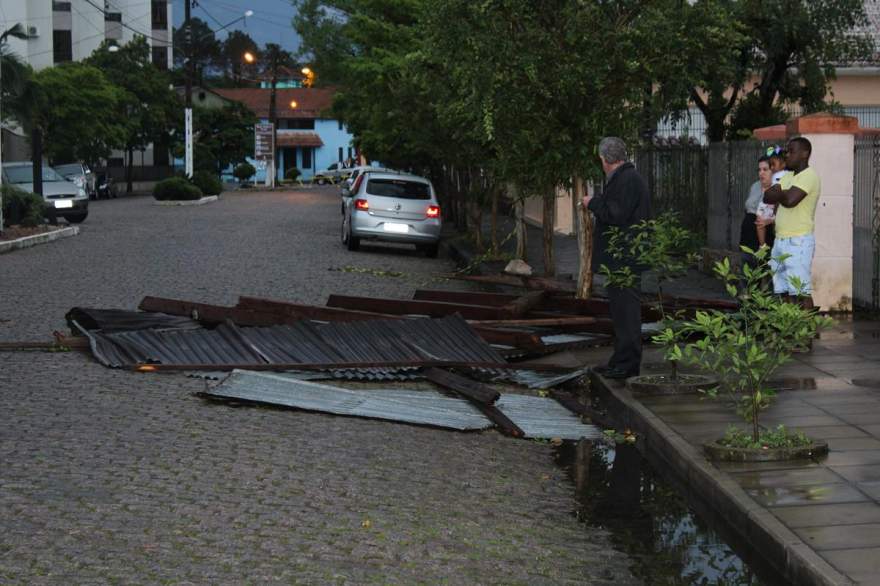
<point x="668" y="541"/>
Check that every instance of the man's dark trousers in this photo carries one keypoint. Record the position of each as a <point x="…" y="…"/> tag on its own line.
<point x="626" y="315"/>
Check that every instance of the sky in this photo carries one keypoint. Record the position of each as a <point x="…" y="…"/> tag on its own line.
<point x="271" y="22"/>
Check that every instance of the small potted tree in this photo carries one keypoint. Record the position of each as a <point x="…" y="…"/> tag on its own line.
<point x="745" y="348"/>
<point x="667" y="249"/>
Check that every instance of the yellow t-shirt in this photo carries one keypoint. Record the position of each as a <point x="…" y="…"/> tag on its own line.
<point x="801" y="219"/>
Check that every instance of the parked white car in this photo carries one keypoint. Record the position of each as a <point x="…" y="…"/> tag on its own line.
<point x="63" y="199"/>
<point x="392" y="207"/>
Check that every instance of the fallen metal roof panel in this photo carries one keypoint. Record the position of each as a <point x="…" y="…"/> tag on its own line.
<point x="122" y="320"/>
<point x="426" y="408"/>
<point x="538" y="417"/>
<point x="541" y="417"/>
<point x="448" y="338"/>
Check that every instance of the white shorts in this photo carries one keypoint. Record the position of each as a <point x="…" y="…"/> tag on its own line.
<point x="799" y="264"/>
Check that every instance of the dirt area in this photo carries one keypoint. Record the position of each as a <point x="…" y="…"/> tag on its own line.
<point x="16" y="232"/>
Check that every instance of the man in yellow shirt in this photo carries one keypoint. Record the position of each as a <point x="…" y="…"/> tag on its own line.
<point x="797" y="195"/>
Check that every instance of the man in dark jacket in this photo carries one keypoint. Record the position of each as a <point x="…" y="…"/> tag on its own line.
<point x="625" y="201"/>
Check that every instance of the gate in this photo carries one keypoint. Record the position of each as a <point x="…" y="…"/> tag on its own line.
<point x="866" y="224"/>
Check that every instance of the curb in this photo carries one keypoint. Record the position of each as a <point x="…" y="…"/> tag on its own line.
<point x="28" y="241"/>
<point x="777" y="544"/>
<point x="186" y="202"/>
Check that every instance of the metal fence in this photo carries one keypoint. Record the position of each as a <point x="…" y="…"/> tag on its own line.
<point x="677" y="180"/>
<point x="866" y="224"/>
<point x="733" y="167"/>
<point x="691" y="124"/>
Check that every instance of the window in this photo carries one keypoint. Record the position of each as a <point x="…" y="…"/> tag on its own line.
<point x="340" y="125"/>
<point x="307" y="158"/>
<point x="60" y="6"/>
<point x="398" y="188"/>
<point x="349" y="152"/>
<point x="113" y="16"/>
<point x="340" y="154"/>
<point x="160" y="14"/>
<point x="62" y="46"/>
<point x="301" y="123"/>
<point x="160" y="57"/>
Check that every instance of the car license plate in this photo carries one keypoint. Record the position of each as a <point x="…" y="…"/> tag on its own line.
<point x="63" y="203"/>
<point x="397" y="228"/>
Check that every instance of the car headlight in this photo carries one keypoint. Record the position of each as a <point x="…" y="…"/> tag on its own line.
<point x="82" y="192"/>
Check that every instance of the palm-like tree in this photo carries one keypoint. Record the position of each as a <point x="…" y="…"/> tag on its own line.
<point x="13" y="71"/>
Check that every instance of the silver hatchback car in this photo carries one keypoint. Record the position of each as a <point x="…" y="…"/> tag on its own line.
<point x="392" y="207"/>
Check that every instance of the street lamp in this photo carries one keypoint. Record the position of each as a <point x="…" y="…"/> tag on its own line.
<point x="249" y="57"/>
<point x="293" y="104"/>
<point x="309" y="76"/>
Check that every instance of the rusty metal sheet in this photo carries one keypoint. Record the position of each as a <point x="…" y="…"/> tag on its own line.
<point x="121" y="320"/>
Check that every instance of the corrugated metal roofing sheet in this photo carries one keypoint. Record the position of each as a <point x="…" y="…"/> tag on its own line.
<point x="538" y="417"/>
<point x="121" y="320"/>
<point x="425" y="408"/>
<point x="448" y="338"/>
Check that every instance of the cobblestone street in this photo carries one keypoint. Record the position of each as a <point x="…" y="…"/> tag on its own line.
<point x="110" y="476"/>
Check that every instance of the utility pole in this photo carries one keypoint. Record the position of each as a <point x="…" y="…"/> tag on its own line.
<point x="272" y="114"/>
<point x="188" y="122"/>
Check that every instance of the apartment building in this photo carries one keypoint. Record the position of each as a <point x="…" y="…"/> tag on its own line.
<point x="71" y="30"/>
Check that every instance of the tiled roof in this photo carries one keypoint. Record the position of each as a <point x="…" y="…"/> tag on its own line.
<point x="294" y="138"/>
<point x="311" y="102"/>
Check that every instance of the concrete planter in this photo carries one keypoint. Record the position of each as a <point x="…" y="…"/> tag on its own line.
<point x="186" y="202"/>
<point x="718" y="452"/>
<point x="662" y="384"/>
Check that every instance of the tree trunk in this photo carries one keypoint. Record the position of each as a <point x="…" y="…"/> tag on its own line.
<point x="37" y="158"/>
<point x="128" y="170"/>
<point x="493" y="222"/>
<point x="548" y="221"/>
<point x="520" y="227"/>
<point x="476" y="221"/>
<point x="585" y="242"/>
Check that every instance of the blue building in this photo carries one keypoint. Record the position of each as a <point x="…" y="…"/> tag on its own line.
<point x="306" y="136"/>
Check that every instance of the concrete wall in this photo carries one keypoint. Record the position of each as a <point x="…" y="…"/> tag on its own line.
<point x="333" y="139"/>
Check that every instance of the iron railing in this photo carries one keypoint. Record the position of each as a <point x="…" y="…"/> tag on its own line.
<point x="866" y="224"/>
<point x="677" y="180"/>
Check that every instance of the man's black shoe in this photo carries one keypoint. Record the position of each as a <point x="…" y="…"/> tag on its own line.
<point x="613" y="372"/>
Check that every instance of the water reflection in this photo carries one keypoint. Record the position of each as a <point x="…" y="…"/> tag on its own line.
<point x="667" y="541"/>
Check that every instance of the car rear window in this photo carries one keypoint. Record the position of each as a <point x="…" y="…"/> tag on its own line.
<point x="399" y="188"/>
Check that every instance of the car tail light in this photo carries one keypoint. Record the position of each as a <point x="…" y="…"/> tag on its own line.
<point x="361" y="204"/>
<point x="433" y="211"/>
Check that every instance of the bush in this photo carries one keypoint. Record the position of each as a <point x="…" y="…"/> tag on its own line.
<point x="176" y="188"/>
<point x="21" y="207"/>
<point x="244" y="171"/>
<point x="292" y="174"/>
<point x="208" y="182"/>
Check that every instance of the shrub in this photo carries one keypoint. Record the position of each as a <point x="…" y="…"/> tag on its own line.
<point x="208" y="182"/>
<point x="21" y="207"/>
<point x="292" y="174"/>
<point x="244" y="171"/>
<point x="175" y="188"/>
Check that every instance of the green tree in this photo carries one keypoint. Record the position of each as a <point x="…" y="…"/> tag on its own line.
<point x="70" y="107"/>
<point x="231" y="57"/>
<point x="790" y="46"/>
<point x="147" y="107"/>
<point x="206" y="49"/>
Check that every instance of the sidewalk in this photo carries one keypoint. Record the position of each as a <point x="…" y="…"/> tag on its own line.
<point x="816" y="521"/>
